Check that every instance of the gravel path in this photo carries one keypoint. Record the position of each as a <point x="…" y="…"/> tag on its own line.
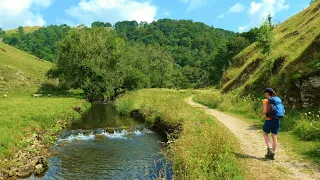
<point x="253" y="149"/>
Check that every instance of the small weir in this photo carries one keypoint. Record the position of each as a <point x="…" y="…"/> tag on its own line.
<point x="105" y="145"/>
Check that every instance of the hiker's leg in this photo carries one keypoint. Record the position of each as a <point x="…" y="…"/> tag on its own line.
<point x="274" y="142"/>
<point x="266" y="138"/>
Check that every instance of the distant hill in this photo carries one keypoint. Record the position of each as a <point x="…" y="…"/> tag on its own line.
<point x="293" y="68"/>
<point x="20" y="72"/>
<point x="27" y="29"/>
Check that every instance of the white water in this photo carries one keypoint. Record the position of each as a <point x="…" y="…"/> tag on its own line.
<point x="124" y="134"/>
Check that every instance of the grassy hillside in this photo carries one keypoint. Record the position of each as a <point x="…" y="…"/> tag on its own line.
<point x="22" y="115"/>
<point x="294" y="64"/>
<point x="27" y="29"/>
<point x="20" y="72"/>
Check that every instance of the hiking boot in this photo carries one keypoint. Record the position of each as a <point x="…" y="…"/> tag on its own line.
<point x="270" y="154"/>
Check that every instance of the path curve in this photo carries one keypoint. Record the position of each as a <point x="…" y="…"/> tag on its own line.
<point x="253" y="145"/>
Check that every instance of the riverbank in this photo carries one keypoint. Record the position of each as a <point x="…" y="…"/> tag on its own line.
<point x="300" y="128"/>
<point x="199" y="147"/>
<point x="28" y="129"/>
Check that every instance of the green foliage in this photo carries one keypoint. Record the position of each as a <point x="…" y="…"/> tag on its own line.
<point x="97" y="24"/>
<point x="308" y="126"/>
<point x="265" y="38"/>
<point x="197" y="147"/>
<point x="251" y="35"/>
<point x="2" y="32"/>
<point x="225" y="57"/>
<point x="103" y="64"/>
<point x="192" y="45"/>
<point x="44" y="42"/>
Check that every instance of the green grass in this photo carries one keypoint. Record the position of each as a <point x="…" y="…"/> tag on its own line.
<point x="24" y="115"/>
<point x="296" y="127"/>
<point x="199" y="149"/>
<point x="21" y="75"/>
<point x="27" y="29"/>
<point x="296" y="41"/>
<point x="20" y="72"/>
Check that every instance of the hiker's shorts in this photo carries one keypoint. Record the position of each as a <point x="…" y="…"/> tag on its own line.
<point x="272" y="126"/>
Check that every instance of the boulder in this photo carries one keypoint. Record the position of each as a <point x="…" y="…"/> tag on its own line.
<point x="39" y="169"/>
<point x="25" y="171"/>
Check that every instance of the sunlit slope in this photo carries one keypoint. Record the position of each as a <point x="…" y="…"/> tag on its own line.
<point x="27" y="29"/>
<point x="20" y="71"/>
<point x="294" y="60"/>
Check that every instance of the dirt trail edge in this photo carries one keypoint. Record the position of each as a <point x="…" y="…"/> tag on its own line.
<point x="253" y="149"/>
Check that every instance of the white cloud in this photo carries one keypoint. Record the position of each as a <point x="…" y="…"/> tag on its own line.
<point x="243" y="28"/>
<point x="259" y="11"/>
<point x="221" y="16"/>
<point x="16" y="13"/>
<point x="112" y="11"/>
<point x="254" y="7"/>
<point x="237" y="8"/>
<point x="193" y="4"/>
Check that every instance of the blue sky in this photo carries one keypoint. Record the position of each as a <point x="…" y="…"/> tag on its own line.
<point x="235" y="15"/>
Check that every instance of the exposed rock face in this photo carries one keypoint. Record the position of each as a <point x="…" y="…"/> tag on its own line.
<point x="310" y="91"/>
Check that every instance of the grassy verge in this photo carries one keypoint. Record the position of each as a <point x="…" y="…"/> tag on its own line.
<point x="197" y="148"/>
<point x="298" y="129"/>
<point x="22" y="116"/>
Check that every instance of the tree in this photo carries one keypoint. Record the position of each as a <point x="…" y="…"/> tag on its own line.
<point x="2" y="32"/>
<point x="107" y="24"/>
<point x="21" y="31"/>
<point x="90" y="59"/>
<point x="265" y="38"/>
<point x="97" y="24"/>
<point x="270" y="20"/>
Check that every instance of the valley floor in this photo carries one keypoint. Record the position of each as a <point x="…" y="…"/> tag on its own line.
<point x="253" y="148"/>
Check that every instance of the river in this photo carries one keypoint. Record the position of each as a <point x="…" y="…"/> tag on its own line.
<point x="106" y="145"/>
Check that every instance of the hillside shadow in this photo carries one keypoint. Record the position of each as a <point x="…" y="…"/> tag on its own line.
<point x="51" y="90"/>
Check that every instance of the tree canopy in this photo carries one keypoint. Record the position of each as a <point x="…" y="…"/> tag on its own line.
<point x="102" y="64"/>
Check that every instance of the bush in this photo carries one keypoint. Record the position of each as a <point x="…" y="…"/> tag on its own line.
<point x="308" y="127"/>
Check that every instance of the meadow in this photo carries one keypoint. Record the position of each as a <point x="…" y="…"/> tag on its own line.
<point x="23" y="116"/>
<point x="299" y="128"/>
<point x="198" y="146"/>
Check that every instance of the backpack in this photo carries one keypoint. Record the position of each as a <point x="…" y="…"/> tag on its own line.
<point x="276" y="108"/>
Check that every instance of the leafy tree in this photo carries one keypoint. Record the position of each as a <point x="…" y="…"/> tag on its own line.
<point x="103" y="64"/>
<point x="107" y="24"/>
<point x="265" y="38"/>
<point x="89" y="60"/>
<point x="2" y="32"/>
<point x="251" y="35"/>
<point x="97" y="24"/>
<point x="21" y="31"/>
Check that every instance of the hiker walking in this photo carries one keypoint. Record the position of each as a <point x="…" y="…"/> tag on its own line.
<point x="273" y="110"/>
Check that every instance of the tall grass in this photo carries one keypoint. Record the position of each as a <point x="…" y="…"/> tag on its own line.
<point x="199" y="147"/>
<point x="24" y="115"/>
<point x="306" y="125"/>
